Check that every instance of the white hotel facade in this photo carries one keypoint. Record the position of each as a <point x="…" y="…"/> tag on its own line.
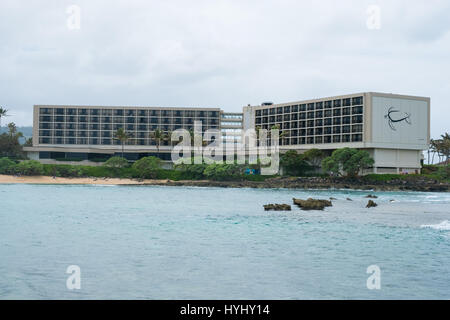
<point x="393" y="128"/>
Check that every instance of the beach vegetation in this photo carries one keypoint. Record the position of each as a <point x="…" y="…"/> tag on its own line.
<point x="6" y="165"/>
<point x="294" y="163"/>
<point x="116" y="162"/>
<point x="148" y="167"/>
<point x="347" y="161"/>
<point x="28" y="168"/>
<point x="10" y="144"/>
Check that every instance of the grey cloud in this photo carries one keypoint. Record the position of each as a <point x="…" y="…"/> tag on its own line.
<point x="219" y="53"/>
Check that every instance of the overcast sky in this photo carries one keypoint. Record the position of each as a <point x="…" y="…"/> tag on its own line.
<point x="220" y="53"/>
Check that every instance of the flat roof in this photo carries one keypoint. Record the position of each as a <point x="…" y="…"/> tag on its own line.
<point x="124" y="107"/>
<point x="345" y="96"/>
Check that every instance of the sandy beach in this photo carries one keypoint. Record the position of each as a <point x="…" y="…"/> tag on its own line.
<point x="7" y="179"/>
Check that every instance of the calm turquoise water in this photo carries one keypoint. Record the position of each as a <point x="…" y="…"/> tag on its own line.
<point x="212" y="243"/>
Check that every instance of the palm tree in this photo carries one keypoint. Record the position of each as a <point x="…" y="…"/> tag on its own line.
<point x="434" y="148"/>
<point x="3" y="113"/>
<point x="158" y="136"/>
<point x="445" y="146"/>
<point x="122" y="136"/>
<point x="169" y="137"/>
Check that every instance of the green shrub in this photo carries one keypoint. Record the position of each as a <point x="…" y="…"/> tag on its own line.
<point x="443" y="172"/>
<point x="192" y="171"/>
<point x="349" y="160"/>
<point x="29" y="168"/>
<point x="6" y="165"/>
<point x="148" y="167"/>
<point x="429" y="168"/>
<point x="294" y="163"/>
<point x="116" y="162"/>
<point x="218" y="171"/>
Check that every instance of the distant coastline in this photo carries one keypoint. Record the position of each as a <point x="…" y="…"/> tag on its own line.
<point x="277" y="182"/>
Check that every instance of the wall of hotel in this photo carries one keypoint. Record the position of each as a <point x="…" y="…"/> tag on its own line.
<point x="396" y="158"/>
<point x="326" y="123"/>
<point x="248" y="120"/>
<point x="95" y="126"/>
<point x="412" y="133"/>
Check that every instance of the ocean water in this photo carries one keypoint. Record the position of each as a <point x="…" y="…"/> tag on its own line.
<point x="150" y="242"/>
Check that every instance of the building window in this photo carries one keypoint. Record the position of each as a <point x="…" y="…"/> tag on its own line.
<point x="357" y="119"/>
<point x="357" y="110"/>
<point x="346" y="102"/>
<point x="357" y="101"/>
<point x="45" y="111"/>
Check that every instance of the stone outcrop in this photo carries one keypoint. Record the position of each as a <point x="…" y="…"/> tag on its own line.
<point x="277" y="207"/>
<point x="312" y="204"/>
<point x="371" y="204"/>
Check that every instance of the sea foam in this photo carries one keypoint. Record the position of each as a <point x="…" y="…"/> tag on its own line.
<point x="444" y="225"/>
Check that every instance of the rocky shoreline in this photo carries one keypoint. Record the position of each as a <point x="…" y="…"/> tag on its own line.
<point x="412" y="184"/>
<point x="424" y="184"/>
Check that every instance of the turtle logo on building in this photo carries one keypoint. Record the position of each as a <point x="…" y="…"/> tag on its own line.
<point x="394" y="118"/>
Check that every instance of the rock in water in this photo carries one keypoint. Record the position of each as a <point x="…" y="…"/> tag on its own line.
<point x="312" y="204"/>
<point x="277" y="207"/>
<point x="371" y="196"/>
<point x="371" y="204"/>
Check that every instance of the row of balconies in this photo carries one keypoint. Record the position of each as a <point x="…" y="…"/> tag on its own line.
<point x="355" y="127"/>
<point x="128" y="112"/>
<point x="317" y="114"/>
<point x="312" y="123"/>
<point x="357" y="101"/>
<point x="101" y="141"/>
<point x="95" y="119"/>
<point x="346" y="138"/>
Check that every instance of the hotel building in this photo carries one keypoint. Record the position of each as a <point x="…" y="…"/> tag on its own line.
<point x="87" y="132"/>
<point x="394" y="129"/>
